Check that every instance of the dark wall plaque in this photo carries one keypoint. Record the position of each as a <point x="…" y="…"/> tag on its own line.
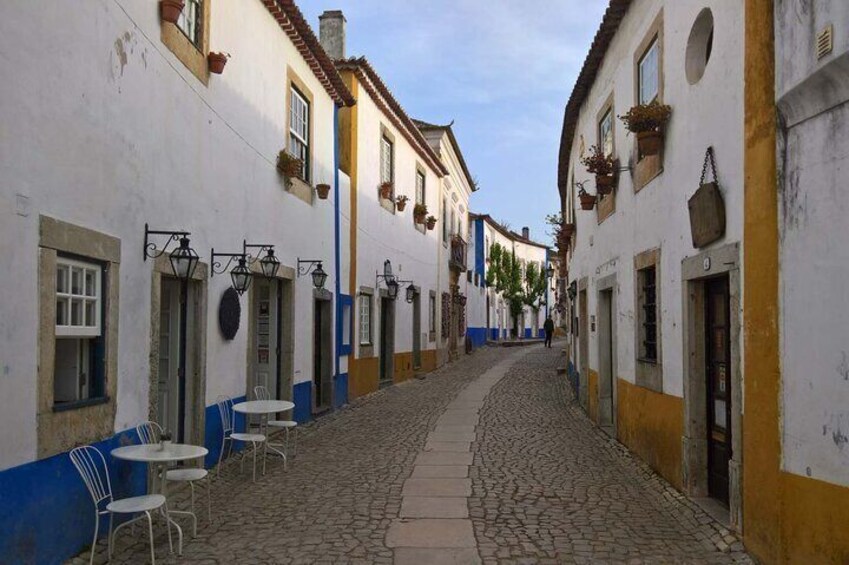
<point x="229" y="313"/>
<point x="707" y="215"/>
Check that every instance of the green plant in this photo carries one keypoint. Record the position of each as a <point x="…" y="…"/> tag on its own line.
<point x="431" y="222"/>
<point x="420" y="210"/>
<point x="504" y="274"/>
<point x="597" y="162"/>
<point x="289" y="165"/>
<point x="647" y="117"/>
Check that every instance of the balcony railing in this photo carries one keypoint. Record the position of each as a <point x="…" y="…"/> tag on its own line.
<point x="457" y="259"/>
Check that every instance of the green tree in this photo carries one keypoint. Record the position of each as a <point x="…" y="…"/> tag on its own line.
<point x="516" y="287"/>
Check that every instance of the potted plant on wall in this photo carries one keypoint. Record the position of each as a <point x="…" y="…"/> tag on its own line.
<point x="289" y="166"/>
<point x="601" y="165"/>
<point x="401" y="202"/>
<point x="420" y="213"/>
<point x="567" y="230"/>
<point x="385" y="190"/>
<point x="587" y="199"/>
<point x="170" y="10"/>
<point x="217" y="61"/>
<point x="648" y="121"/>
<point x="431" y="222"/>
<point x="323" y="191"/>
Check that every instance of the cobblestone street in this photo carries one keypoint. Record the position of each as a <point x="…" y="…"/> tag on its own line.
<point x="388" y="479"/>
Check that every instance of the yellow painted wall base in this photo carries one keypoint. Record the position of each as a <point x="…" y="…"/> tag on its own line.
<point x="362" y="377"/>
<point x="592" y="395"/>
<point x="651" y="425"/>
<point x="814" y="517"/>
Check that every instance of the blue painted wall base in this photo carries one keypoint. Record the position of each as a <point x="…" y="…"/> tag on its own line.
<point x="477" y="336"/>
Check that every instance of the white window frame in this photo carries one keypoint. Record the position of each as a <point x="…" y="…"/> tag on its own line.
<point x="69" y="297"/>
<point x="190" y="21"/>
<point x="420" y="187"/>
<point x="654" y="50"/>
<point x="605" y="132"/>
<point x="387" y="159"/>
<point x="365" y="311"/>
<point x="431" y="323"/>
<point x="299" y="130"/>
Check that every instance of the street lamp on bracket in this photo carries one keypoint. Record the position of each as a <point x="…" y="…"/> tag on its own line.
<point x="184" y="260"/>
<point x="319" y="277"/>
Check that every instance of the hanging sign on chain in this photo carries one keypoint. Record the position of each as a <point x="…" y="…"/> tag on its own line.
<point x="707" y="208"/>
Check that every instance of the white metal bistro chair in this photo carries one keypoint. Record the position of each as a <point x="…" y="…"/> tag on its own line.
<point x="149" y="433"/>
<point x="228" y="434"/>
<point x="291" y="426"/>
<point x="92" y="467"/>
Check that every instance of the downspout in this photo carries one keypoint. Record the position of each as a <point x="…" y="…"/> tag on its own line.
<point x="547" y="281"/>
<point x="337" y="250"/>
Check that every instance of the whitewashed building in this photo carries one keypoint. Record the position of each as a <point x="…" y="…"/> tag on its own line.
<point x="489" y="312"/>
<point x="113" y="124"/>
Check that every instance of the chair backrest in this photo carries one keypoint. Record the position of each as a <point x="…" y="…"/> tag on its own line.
<point x="149" y="432"/>
<point x="262" y="393"/>
<point x="225" y="410"/>
<point x="91" y="466"/>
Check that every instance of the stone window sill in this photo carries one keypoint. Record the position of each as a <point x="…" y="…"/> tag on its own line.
<point x="67" y="406"/>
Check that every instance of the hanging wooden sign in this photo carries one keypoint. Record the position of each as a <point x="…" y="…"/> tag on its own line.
<point x="707" y="208"/>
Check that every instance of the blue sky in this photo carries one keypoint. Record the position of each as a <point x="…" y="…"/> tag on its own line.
<point x="501" y="69"/>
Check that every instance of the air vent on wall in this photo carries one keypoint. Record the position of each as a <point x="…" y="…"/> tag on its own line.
<point x="825" y="41"/>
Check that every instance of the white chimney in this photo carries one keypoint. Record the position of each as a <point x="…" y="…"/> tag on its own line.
<point x="526" y="233"/>
<point x="332" y="33"/>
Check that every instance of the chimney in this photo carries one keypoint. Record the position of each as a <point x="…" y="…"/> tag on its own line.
<point x="526" y="233"/>
<point x="332" y="33"/>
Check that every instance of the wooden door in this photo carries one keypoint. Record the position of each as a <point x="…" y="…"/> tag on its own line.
<point x="718" y="373"/>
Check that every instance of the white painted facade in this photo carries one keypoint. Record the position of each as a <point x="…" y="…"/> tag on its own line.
<point x="812" y="95"/>
<point x="104" y="128"/>
<point x="707" y="113"/>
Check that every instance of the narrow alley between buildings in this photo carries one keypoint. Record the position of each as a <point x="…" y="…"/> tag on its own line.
<point x="486" y="460"/>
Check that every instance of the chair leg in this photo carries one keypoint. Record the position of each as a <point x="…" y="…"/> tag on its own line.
<point x="94" y="542"/>
<point x="265" y="456"/>
<point x="254" y="461"/>
<point x="109" y="540"/>
<point x="221" y="454"/>
<point x="164" y="511"/>
<point x="209" y="498"/>
<point x="242" y="461"/>
<point x="150" y="532"/>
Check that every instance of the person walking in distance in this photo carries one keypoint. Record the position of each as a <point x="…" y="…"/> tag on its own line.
<point x="548" y="327"/>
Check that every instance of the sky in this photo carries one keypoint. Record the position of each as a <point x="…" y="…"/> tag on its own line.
<point x="503" y="70"/>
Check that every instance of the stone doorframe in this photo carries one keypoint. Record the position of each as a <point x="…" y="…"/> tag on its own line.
<point x="604" y="284"/>
<point x="327" y="335"/>
<point x="724" y="260"/>
<point x="583" y="342"/>
<point x="162" y="267"/>
<point x="390" y="332"/>
<point x="286" y="279"/>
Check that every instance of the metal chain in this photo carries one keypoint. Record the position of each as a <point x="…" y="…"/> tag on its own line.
<point x="709" y="159"/>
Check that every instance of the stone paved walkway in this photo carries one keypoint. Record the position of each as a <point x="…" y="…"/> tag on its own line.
<point x="486" y="460"/>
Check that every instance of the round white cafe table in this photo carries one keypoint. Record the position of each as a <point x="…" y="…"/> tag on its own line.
<point x="152" y="454"/>
<point x="263" y="409"/>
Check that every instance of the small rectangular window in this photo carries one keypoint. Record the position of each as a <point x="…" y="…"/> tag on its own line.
<point x="365" y="319"/>
<point x="432" y="315"/>
<point x="445" y="226"/>
<point x="648" y="313"/>
<point x="605" y="133"/>
<point x="299" y="131"/>
<point x="420" y="187"/>
<point x="190" y="21"/>
<point x="648" y="70"/>
<point x="387" y="157"/>
<point x="346" y="325"/>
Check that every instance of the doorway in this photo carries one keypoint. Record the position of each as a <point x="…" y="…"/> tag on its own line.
<point x="268" y="332"/>
<point x="583" y="346"/>
<point x="607" y="357"/>
<point x="387" y="340"/>
<point x="322" y="357"/>
<point x="717" y="365"/>
<point x="176" y="385"/>
<point x="417" y="331"/>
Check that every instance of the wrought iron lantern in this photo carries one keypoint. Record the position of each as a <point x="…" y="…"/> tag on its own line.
<point x="392" y="289"/>
<point x="550" y="271"/>
<point x="269" y="264"/>
<point x="184" y="260"/>
<point x="391" y="281"/>
<point x="411" y="293"/>
<point x="319" y="277"/>
<point x="241" y="276"/>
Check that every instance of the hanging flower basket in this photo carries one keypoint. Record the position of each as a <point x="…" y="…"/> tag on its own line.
<point x="431" y="223"/>
<point x="648" y="121"/>
<point x="217" y="61"/>
<point x="567" y="230"/>
<point x="420" y="213"/>
<point x="385" y="190"/>
<point x="401" y="202"/>
<point x="587" y="200"/>
<point x="323" y="191"/>
<point x="604" y="184"/>
<point x="289" y="166"/>
<point x="170" y="10"/>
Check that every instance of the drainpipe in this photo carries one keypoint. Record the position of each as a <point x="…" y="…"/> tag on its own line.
<point x="547" y="282"/>
<point x="337" y="250"/>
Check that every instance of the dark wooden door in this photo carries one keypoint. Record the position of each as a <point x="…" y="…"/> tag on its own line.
<point x="318" y="369"/>
<point x="718" y="373"/>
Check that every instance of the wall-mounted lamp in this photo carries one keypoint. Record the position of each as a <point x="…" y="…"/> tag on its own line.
<point x="268" y="264"/>
<point x="184" y="260"/>
<point x="412" y="291"/>
<point x="389" y="279"/>
<point x="550" y="271"/>
<point x="319" y="277"/>
<point x="240" y="274"/>
<point x="572" y="291"/>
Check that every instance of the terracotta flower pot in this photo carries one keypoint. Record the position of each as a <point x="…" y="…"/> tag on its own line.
<point x="567" y="230"/>
<point x="385" y="190"/>
<point x="170" y="10"/>
<point x="323" y="190"/>
<point x="216" y="62"/>
<point x="400" y="204"/>
<point x="420" y="218"/>
<point x="431" y="224"/>
<point x="587" y="201"/>
<point x="649" y="142"/>
<point x="604" y="184"/>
